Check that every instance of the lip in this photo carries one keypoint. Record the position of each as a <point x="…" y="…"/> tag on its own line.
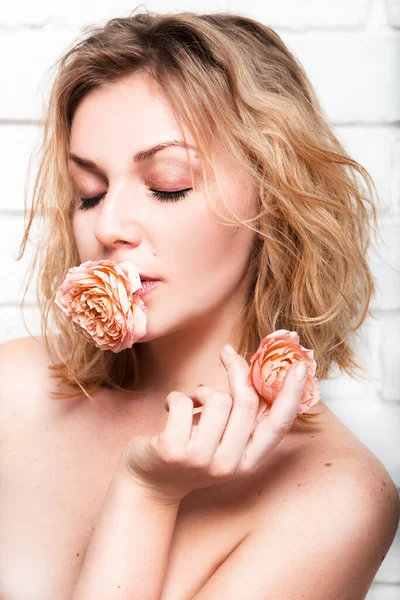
<point x="147" y="289"/>
<point x="148" y="277"/>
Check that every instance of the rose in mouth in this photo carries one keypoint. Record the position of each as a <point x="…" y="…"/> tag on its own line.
<point x="100" y="299"/>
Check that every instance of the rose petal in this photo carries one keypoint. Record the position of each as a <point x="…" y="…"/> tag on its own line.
<point x="271" y="361"/>
<point x="99" y="298"/>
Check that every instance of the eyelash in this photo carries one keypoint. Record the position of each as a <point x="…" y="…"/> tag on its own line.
<point x="88" y="203"/>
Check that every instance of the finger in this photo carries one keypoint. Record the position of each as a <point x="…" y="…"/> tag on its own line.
<point x="271" y="430"/>
<point x="196" y="402"/>
<point x="213" y="419"/>
<point x="178" y="428"/>
<point x="244" y="410"/>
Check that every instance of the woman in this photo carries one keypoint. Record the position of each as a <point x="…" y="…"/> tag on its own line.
<point x="111" y="488"/>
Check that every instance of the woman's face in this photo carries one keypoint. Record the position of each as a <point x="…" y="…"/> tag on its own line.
<point x="201" y="263"/>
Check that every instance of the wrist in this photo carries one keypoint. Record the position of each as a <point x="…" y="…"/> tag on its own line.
<point x="140" y="488"/>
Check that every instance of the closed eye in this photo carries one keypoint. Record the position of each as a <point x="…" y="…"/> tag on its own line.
<point x="162" y="196"/>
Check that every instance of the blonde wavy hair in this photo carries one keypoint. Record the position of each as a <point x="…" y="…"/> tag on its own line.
<point x="232" y="81"/>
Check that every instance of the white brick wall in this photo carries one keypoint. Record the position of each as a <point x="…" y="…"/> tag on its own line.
<point x="393" y="7"/>
<point x="351" y="51"/>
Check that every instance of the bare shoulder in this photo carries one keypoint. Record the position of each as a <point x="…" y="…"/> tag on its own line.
<point x="327" y="459"/>
<point x="329" y="493"/>
<point x="22" y="360"/>
<point x="326" y="514"/>
<point x="14" y="350"/>
<point x="25" y="379"/>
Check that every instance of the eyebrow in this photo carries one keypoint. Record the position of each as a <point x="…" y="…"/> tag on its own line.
<point x="140" y="156"/>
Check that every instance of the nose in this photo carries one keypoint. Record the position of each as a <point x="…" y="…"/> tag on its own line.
<point x="117" y="220"/>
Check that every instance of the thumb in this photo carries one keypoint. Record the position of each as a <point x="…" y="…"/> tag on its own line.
<point x="299" y="372"/>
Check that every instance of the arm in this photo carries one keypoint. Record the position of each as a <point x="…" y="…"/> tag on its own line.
<point x="128" y="552"/>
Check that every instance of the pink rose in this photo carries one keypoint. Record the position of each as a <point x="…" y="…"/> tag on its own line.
<point x="270" y="363"/>
<point x="99" y="297"/>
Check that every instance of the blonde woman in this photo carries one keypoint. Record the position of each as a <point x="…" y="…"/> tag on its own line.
<point x="194" y="147"/>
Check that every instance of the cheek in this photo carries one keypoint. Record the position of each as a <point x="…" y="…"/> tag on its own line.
<point x="77" y="228"/>
<point x="209" y="257"/>
<point x="82" y="236"/>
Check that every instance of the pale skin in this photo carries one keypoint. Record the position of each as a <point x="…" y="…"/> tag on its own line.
<point x="202" y="263"/>
<point x="149" y="500"/>
<point x="209" y="259"/>
<point x="164" y="468"/>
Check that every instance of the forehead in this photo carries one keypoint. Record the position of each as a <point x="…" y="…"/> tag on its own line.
<point x="132" y="108"/>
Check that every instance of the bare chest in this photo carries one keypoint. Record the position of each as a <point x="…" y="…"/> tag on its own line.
<point x="53" y="481"/>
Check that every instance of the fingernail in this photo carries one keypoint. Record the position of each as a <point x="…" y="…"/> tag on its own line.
<point x="229" y="349"/>
<point x="300" y="371"/>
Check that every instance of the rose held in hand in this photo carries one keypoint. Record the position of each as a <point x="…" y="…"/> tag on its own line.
<point x="224" y="443"/>
<point x="270" y="363"/>
<point x="99" y="298"/>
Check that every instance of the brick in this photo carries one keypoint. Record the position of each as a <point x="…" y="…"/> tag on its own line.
<point x="286" y="14"/>
<point x="18" y="143"/>
<point x="20" y="14"/>
<point x="393" y="9"/>
<point x="380" y="591"/>
<point x="11" y="323"/>
<point x="375" y="148"/>
<point x="188" y="5"/>
<point x="395" y="197"/>
<point x="14" y="271"/>
<point x="357" y="77"/>
<point x="375" y="422"/>
<point x="384" y="260"/>
<point x="307" y="14"/>
<point x="48" y="14"/>
<point x="343" y="385"/>
<point x="390" y="352"/>
<point x="389" y="571"/>
<point x="25" y="89"/>
<point x="351" y="88"/>
<point x="366" y="345"/>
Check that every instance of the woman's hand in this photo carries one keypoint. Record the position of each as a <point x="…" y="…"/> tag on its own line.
<point x="228" y="442"/>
